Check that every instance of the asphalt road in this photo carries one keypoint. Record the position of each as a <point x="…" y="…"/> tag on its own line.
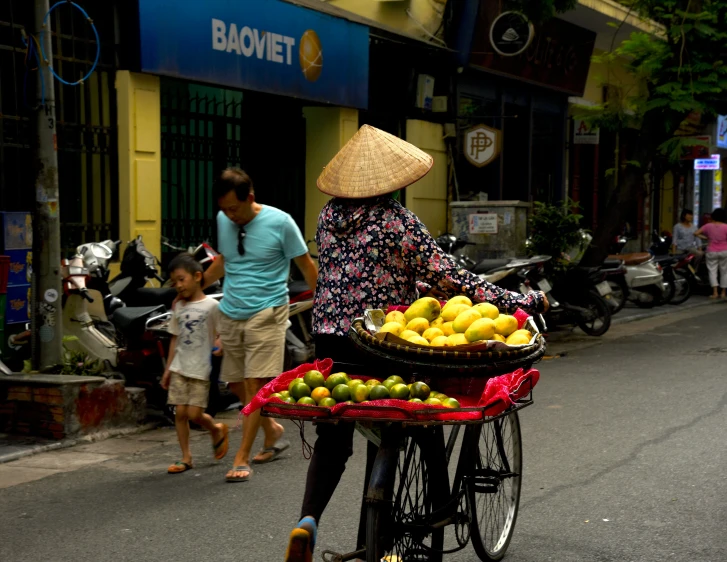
<point x="624" y="454"/>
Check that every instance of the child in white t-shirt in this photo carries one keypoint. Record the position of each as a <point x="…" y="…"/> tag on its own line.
<point x="187" y="377"/>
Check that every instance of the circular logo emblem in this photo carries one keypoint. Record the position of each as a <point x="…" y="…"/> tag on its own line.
<point x="310" y="55"/>
<point x="51" y="295"/>
<point x="511" y="33"/>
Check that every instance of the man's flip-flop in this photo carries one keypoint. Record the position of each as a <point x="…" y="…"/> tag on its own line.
<point x="273" y="451"/>
<point x="179" y="467"/>
<point x="223" y="444"/>
<point x="241" y="468"/>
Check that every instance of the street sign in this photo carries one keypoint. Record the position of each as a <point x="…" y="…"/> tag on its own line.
<point x="707" y="163"/>
<point x="483" y="223"/>
<point x="481" y="145"/>
<point x="583" y="133"/>
<point x="722" y="131"/>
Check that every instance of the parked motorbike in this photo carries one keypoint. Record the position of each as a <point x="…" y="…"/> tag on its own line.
<point x="698" y="279"/>
<point x="645" y="284"/>
<point x="453" y="247"/>
<point x="614" y="271"/>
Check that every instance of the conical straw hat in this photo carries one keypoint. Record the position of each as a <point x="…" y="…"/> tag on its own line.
<point x="373" y="163"/>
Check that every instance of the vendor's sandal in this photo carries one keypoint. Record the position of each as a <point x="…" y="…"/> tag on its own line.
<point x="223" y="444"/>
<point x="274" y="451"/>
<point x="179" y="467"/>
<point x="302" y="541"/>
<point x="241" y="468"/>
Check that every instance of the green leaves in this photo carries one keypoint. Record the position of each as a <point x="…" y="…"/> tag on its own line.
<point x="554" y="229"/>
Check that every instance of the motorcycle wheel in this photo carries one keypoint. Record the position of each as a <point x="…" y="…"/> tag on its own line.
<point x="600" y="320"/>
<point x="683" y="288"/>
<point x="655" y="296"/>
<point x="619" y="294"/>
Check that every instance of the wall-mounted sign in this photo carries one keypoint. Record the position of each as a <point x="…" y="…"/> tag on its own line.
<point x="707" y="163"/>
<point x="583" y="133"/>
<point x="483" y="223"/>
<point x="511" y="33"/>
<point x="722" y="131"/>
<point x="482" y="145"/>
<point x="266" y="45"/>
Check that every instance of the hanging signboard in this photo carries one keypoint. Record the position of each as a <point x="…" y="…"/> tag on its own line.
<point x="482" y="145"/>
<point x="511" y="34"/>
<point x="707" y="163"/>
<point x="722" y="131"/>
<point x="483" y="223"/>
<point x="583" y="133"/>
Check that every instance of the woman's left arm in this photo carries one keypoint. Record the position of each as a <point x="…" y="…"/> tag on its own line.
<point x="433" y="267"/>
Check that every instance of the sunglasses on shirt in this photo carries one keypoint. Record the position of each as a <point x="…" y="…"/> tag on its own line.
<point x="240" y="239"/>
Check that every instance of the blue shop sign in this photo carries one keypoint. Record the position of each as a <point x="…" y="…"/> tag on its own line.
<point x="264" y="45"/>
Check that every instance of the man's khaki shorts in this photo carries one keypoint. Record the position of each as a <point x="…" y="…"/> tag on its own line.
<point x="186" y="391"/>
<point x="253" y="348"/>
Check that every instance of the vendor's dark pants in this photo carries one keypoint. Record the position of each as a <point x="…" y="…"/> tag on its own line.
<point x="334" y="444"/>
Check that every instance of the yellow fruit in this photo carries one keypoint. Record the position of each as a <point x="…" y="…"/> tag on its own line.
<point x="361" y="393"/>
<point x="460" y="299"/>
<point x="525" y="333"/>
<point x="427" y="308"/>
<point x="447" y="328"/>
<point x="437" y="322"/>
<point x="505" y="324"/>
<point x="517" y="339"/>
<point x="396" y="316"/>
<point x="487" y="310"/>
<point x="464" y="319"/>
<point x="392" y="327"/>
<point x="498" y="337"/>
<point x="440" y="341"/>
<point x="481" y="329"/>
<point x="320" y="393"/>
<point x="418" y="325"/>
<point x="457" y="339"/>
<point x="418" y="340"/>
<point x="430" y="333"/>
<point x="406" y="334"/>
<point x="450" y="312"/>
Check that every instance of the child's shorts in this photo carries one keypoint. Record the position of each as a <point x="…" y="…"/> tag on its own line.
<point x="186" y="391"/>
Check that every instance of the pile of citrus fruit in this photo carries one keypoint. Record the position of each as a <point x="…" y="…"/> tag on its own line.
<point x="313" y="389"/>
<point x="458" y="322"/>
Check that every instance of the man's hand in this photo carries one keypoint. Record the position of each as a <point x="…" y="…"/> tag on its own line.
<point x="217" y="349"/>
<point x="165" y="380"/>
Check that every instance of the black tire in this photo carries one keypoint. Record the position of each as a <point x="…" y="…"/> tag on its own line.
<point x="420" y="488"/>
<point x="494" y="488"/>
<point x="683" y="288"/>
<point x="600" y="315"/>
<point x="671" y="289"/>
<point x="619" y="294"/>
<point x="654" y="294"/>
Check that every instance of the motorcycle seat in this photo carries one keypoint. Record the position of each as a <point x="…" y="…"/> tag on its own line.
<point x="488" y="265"/>
<point x="153" y="296"/>
<point x="132" y="318"/>
<point x="636" y="258"/>
<point x="296" y="288"/>
<point x="611" y="263"/>
<point x="665" y="260"/>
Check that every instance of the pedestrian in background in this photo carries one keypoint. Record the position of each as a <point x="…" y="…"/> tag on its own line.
<point x="715" y="233"/>
<point x="256" y="243"/>
<point x="685" y="240"/>
<point x="187" y="377"/>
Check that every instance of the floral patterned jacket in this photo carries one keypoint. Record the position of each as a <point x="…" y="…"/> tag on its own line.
<point x="373" y="252"/>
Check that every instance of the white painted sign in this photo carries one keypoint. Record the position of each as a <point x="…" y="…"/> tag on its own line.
<point x="481" y="145"/>
<point x="483" y="223"/>
<point x="583" y="133"/>
<point x="707" y="163"/>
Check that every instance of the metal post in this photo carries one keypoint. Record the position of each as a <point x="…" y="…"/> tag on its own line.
<point x="46" y="301"/>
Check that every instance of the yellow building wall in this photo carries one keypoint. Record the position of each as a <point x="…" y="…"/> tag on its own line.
<point x="422" y="14"/>
<point x="427" y="198"/>
<point x="327" y="130"/>
<point x="139" y="137"/>
<point x="614" y="73"/>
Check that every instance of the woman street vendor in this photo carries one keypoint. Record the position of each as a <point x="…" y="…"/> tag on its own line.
<point x="373" y="253"/>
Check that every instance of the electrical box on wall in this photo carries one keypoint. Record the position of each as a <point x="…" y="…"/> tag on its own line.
<point x="439" y="104"/>
<point x="425" y="91"/>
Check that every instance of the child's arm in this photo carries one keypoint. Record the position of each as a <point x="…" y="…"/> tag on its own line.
<point x="170" y="358"/>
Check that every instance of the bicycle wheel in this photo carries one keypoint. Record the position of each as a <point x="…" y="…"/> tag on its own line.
<point x="494" y="487"/>
<point x="398" y="530"/>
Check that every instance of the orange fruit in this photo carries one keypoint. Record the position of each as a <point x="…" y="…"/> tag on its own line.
<point x="320" y="393"/>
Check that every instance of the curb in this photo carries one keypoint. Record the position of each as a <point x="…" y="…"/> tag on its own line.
<point x="660" y="311"/>
<point x="66" y="443"/>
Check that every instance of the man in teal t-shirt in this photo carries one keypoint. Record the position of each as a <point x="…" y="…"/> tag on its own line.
<point x="256" y="243"/>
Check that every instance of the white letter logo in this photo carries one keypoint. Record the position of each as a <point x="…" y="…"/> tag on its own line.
<point x="219" y="41"/>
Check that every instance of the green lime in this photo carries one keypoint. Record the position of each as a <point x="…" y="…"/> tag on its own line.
<point x="450" y="403"/>
<point x="300" y="390"/>
<point x="416" y="401"/>
<point x="388" y="383"/>
<point x="307" y="400"/>
<point x="341" y="393"/>
<point x="354" y="383"/>
<point x="399" y="391"/>
<point x="379" y="392"/>
<point x="420" y="390"/>
<point x="396" y="378"/>
<point x="360" y="393"/>
<point x="314" y="379"/>
<point x="289" y="400"/>
<point x="433" y="402"/>
<point x="293" y="383"/>
<point x="327" y="402"/>
<point x="335" y="379"/>
<point x="350" y="402"/>
<point x="373" y="382"/>
<point x="284" y="393"/>
<point x="276" y="395"/>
